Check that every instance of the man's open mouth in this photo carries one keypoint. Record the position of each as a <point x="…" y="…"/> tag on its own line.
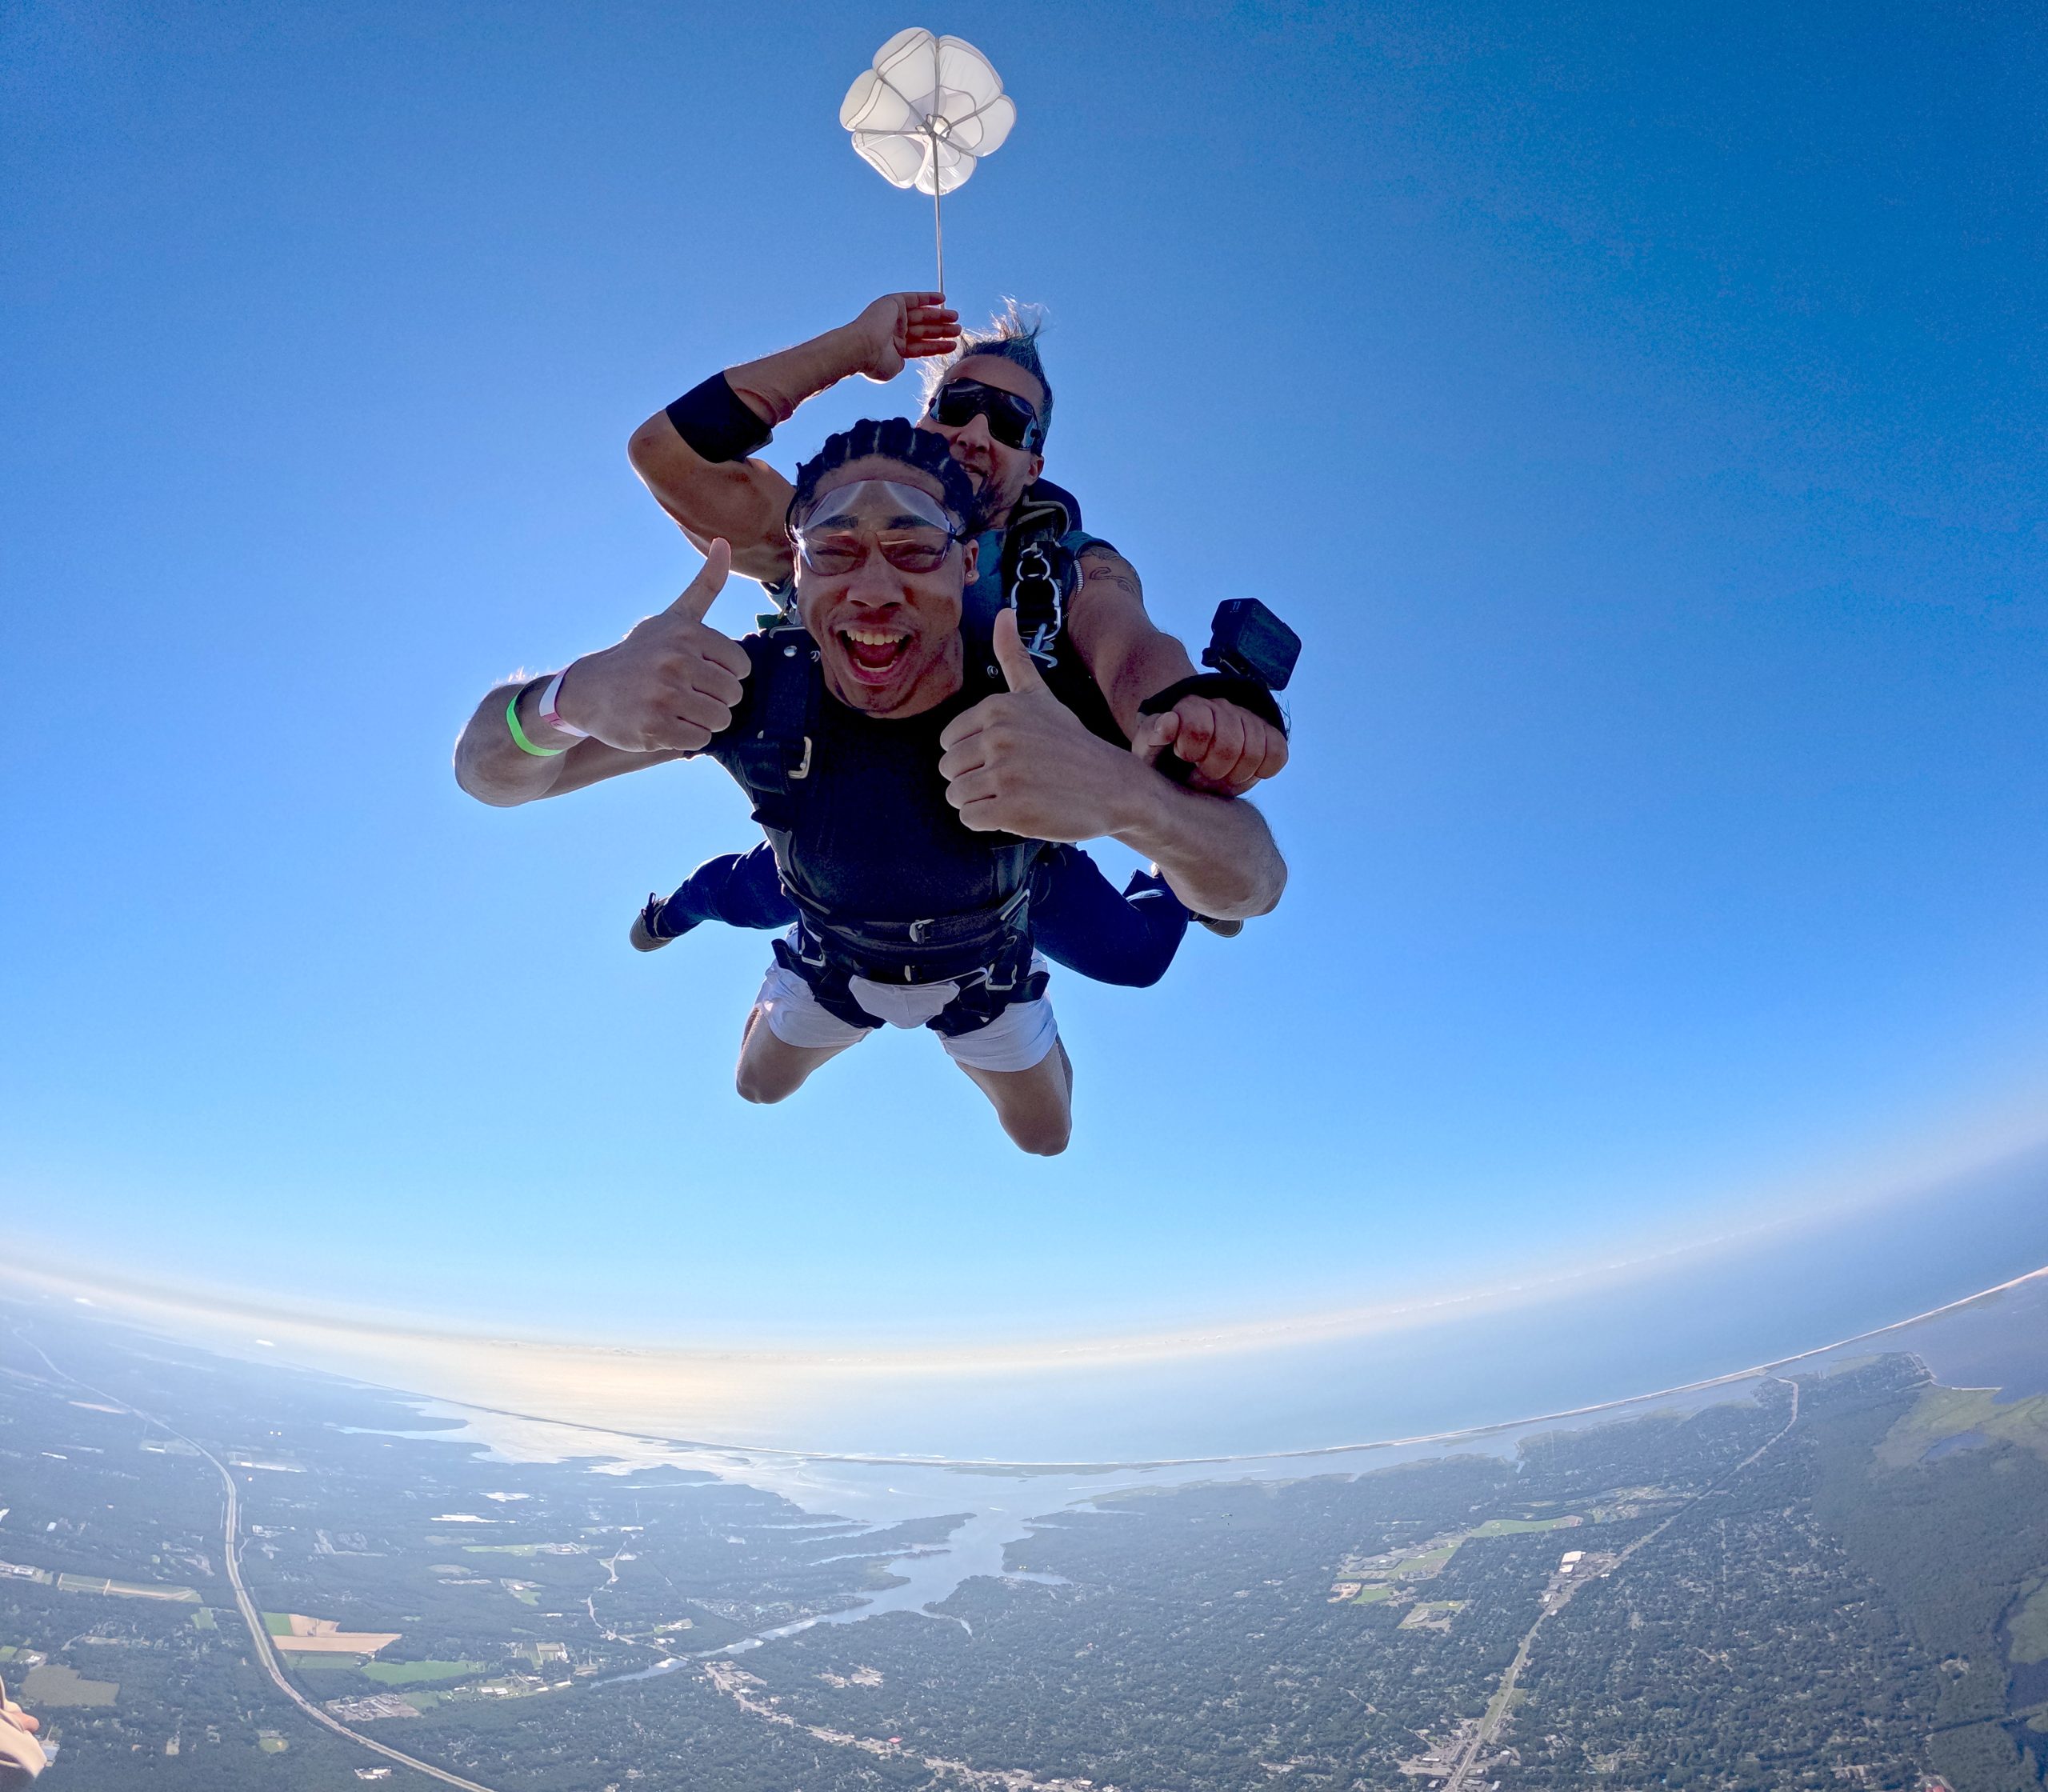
<point x="874" y="653"/>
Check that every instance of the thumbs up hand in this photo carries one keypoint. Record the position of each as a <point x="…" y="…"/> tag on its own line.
<point x="1020" y="671"/>
<point x="1021" y="762"/>
<point x="670" y="685"/>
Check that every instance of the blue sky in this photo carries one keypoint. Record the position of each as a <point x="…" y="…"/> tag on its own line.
<point x="1640" y="414"/>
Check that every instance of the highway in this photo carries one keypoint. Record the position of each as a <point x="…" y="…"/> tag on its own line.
<point x="259" y="1634"/>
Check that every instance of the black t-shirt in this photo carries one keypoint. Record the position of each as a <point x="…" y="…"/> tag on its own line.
<point x="873" y="838"/>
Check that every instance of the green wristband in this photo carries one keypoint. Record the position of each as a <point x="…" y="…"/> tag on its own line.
<point x="519" y="734"/>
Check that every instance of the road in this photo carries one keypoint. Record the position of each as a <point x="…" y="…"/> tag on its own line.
<point x="259" y="1634"/>
<point x="1498" y="1706"/>
<point x="591" y="1603"/>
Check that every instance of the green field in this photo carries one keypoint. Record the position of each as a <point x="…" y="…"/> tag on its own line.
<point x="2028" y="1626"/>
<point x="1426" y="1563"/>
<point x="277" y="1623"/>
<point x="56" y="1686"/>
<point x="414" y="1674"/>
<point x="1518" y="1527"/>
<point x="1948" y="1412"/>
<point x="203" y="1619"/>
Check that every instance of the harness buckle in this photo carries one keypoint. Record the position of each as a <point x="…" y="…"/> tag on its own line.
<point x="803" y="765"/>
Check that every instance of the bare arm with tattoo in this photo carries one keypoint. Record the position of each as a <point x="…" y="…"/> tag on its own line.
<point x="1130" y="657"/>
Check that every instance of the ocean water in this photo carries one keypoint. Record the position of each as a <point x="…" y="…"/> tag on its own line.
<point x="1998" y="1339"/>
<point x="1701" y="1314"/>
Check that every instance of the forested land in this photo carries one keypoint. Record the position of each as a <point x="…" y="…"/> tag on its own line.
<point x="1852" y="1592"/>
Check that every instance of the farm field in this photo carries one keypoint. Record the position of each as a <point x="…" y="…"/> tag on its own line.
<point x="417" y="1674"/>
<point x="58" y="1687"/>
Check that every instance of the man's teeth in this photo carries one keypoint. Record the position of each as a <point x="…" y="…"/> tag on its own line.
<point x="873" y="638"/>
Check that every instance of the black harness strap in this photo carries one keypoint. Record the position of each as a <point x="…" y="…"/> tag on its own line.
<point x="774" y="757"/>
<point x="1040" y="573"/>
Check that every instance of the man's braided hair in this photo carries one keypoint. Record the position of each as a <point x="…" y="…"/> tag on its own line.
<point x="893" y="438"/>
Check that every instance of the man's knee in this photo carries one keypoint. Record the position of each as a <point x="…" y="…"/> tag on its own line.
<point x="1043" y="1137"/>
<point x="755" y="1083"/>
<point x="1035" y="1106"/>
<point x="757" y="1078"/>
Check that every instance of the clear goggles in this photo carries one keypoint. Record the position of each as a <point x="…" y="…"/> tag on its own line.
<point x="912" y="529"/>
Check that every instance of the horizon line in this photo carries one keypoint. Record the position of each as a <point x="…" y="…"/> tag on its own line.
<point x="1557" y="1278"/>
<point x="1492" y="1427"/>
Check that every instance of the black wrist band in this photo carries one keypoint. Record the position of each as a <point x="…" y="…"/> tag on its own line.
<point x="716" y="421"/>
<point x="1247" y="694"/>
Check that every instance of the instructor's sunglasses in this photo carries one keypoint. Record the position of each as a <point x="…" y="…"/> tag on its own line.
<point x="1012" y="420"/>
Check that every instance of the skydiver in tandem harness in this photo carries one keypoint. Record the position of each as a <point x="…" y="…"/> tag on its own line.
<point x="1079" y="605"/>
<point x="907" y="762"/>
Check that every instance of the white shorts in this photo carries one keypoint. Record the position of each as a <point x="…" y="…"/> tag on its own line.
<point x="1015" y="1040"/>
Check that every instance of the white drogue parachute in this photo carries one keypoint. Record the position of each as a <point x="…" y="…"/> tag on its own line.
<point x="924" y="114"/>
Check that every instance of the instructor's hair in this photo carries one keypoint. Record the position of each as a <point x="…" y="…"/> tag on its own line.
<point x="1012" y="335"/>
<point x="893" y="438"/>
